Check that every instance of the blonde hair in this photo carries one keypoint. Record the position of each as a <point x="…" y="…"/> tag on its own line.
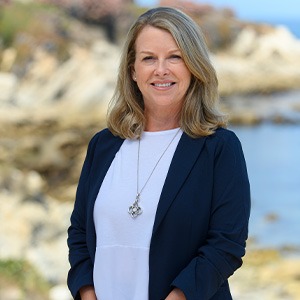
<point x="199" y="115"/>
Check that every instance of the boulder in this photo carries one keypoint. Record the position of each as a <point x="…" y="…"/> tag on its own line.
<point x="87" y="78"/>
<point x="277" y="42"/>
<point x="9" y="56"/>
<point x="60" y="292"/>
<point x="259" y="63"/>
<point x="8" y="84"/>
<point x="34" y="226"/>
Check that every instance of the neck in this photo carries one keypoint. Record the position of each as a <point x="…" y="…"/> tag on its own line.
<point x="160" y="121"/>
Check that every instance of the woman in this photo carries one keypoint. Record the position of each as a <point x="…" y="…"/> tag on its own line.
<point x="163" y="201"/>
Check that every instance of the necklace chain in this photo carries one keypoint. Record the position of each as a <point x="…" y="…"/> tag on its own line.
<point x="135" y="210"/>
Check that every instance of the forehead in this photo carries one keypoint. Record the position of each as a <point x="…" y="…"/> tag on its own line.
<point x="154" y="38"/>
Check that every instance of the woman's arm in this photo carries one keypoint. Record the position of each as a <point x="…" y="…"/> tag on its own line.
<point x="81" y="272"/>
<point x="176" y="294"/>
<point x="222" y="253"/>
<point x="88" y="293"/>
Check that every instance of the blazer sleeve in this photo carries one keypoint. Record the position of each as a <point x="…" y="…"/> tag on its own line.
<point x="81" y="271"/>
<point x="225" y="245"/>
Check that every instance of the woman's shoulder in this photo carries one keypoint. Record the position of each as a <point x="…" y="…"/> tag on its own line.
<point x="224" y="137"/>
<point x="103" y="137"/>
<point x="104" y="134"/>
<point x="225" y="134"/>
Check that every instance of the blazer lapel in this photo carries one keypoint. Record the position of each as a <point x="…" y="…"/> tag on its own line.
<point x="184" y="158"/>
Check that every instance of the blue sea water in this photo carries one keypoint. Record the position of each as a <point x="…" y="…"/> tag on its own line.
<point x="272" y="154"/>
<point x="273" y="158"/>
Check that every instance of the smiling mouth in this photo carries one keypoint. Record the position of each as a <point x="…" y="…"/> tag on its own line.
<point x="163" y="84"/>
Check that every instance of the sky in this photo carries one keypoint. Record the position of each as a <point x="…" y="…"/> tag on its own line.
<point x="256" y="10"/>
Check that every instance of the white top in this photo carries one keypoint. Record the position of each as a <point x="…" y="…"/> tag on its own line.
<point x="121" y="269"/>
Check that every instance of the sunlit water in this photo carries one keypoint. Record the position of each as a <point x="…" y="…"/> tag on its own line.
<point x="272" y="153"/>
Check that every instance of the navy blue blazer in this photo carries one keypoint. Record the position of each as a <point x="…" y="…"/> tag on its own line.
<point x="201" y="223"/>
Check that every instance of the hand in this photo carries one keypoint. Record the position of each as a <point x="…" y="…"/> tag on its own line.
<point x="176" y="294"/>
<point x="87" y="293"/>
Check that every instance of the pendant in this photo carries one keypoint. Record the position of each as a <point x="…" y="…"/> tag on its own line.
<point x="135" y="210"/>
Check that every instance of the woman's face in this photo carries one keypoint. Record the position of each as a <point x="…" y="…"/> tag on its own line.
<point x="159" y="70"/>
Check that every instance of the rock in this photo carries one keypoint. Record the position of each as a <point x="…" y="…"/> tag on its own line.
<point x="255" y="63"/>
<point x="244" y="44"/>
<point x="11" y="293"/>
<point x="34" y="226"/>
<point x="8" y="84"/>
<point x="34" y="183"/>
<point x="258" y="63"/>
<point x="278" y="43"/>
<point x="266" y="274"/>
<point x="60" y="292"/>
<point x="253" y="109"/>
<point x="86" y="79"/>
<point x="9" y="56"/>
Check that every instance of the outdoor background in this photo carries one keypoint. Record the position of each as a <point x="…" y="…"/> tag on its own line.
<point x="58" y="66"/>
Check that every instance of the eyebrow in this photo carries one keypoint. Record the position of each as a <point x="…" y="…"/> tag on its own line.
<point x="151" y="52"/>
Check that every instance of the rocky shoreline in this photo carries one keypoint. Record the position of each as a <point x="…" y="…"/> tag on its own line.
<point x="267" y="275"/>
<point x="255" y="65"/>
<point x="41" y="157"/>
<point x="37" y="226"/>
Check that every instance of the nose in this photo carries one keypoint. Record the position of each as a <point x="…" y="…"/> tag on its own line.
<point x="161" y="68"/>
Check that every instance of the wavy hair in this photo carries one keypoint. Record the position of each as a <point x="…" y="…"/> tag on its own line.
<point x="200" y="115"/>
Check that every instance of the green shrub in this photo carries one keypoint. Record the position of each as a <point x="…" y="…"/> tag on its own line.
<point x="16" y="17"/>
<point x="25" y="26"/>
<point x="22" y="275"/>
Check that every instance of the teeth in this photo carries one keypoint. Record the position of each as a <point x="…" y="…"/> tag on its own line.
<point x="163" y="84"/>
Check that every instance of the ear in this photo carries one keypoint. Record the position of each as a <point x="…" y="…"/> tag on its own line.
<point x="133" y="74"/>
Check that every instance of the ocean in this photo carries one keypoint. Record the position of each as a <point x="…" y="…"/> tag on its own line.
<point x="272" y="155"/>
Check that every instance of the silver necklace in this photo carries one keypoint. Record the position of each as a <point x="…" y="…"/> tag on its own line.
<point x="135" y="210"/>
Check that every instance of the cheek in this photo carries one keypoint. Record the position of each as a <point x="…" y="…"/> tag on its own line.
<point x="137" y="67"/>
<point x="142" y="70"/>
<point x="188" y="77"/>
<point x="187" y="73"/>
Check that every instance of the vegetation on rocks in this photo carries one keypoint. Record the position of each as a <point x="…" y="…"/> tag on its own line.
<point x="41" y="24"/>
<point x="26" y="26"/>
<point x="20" y="278"/>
